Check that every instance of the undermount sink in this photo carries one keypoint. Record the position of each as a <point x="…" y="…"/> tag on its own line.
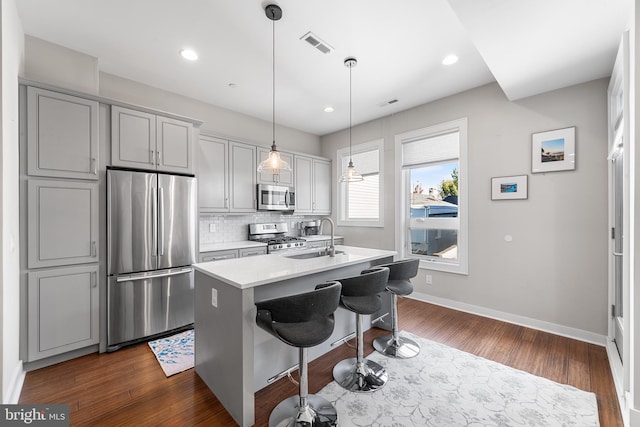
<point x="315" y="254"/>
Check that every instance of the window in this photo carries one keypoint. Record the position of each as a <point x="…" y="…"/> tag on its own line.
<point x="432" y="218"/>
<point x="360" y="203"/>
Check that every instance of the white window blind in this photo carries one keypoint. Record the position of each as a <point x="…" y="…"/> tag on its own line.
<point x="364" y="198"/>
<point x="433" y="149"/>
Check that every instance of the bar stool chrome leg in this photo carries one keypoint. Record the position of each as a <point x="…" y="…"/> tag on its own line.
<point x="359" y="374"/>
<point x="304" y="410"/>
<point x="394" y="345"/>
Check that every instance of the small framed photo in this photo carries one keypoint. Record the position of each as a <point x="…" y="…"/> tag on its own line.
<point x="554" y="150"/>
<point x="509" y="187"/>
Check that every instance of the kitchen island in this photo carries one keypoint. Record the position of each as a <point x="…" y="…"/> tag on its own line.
<point x="233" y="356"/>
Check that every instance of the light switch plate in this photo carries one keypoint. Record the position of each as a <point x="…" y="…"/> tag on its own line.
<point x="214" y="297"/>
<point x="212" y="228"/>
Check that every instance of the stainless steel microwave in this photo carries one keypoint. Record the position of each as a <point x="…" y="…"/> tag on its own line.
<point x="276" y="198"/>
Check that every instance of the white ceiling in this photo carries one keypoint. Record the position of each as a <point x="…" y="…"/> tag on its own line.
<point x="527" y="46"/>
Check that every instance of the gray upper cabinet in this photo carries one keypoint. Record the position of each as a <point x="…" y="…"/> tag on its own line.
<point x="312" y="185"/>
<point x="226" y="175"/>
<point x="212" y="173"/>
<point x="63" y="307"/>
<point x="242" y="179"/>
<point x="284" y="178"/>
<point x="142" y="140"/>
<point x="62" y="223"/>
<point x="62" y="135"/>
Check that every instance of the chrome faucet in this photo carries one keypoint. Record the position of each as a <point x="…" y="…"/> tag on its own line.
<point x="332" y="249"/>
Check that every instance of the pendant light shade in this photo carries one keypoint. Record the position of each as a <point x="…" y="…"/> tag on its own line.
<point x="350" y="175"/>
<point x="273" y="163"/>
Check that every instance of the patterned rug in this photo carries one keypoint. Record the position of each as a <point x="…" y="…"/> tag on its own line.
<point x="443" y="386"/>
<point x="174" y="353"/>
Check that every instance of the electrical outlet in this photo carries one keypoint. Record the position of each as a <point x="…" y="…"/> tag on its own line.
<point x="429" y="279"/>
<point x="212" y="228"/>
<point x="214" y="297"/>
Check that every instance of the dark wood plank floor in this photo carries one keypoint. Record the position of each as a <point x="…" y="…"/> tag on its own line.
<point x="128" y="388"/>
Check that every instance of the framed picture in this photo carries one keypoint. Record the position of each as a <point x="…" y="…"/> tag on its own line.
<point x="554" y="150"/>
<point x="509" y="187"/>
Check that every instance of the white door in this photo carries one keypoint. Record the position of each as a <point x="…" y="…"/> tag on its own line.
<point x="617" y="234"/>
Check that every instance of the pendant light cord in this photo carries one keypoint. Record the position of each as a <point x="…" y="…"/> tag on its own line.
<point x="273" y="78"/>
<point x="350" y="113"/>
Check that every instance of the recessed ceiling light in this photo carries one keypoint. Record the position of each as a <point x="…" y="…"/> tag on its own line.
<point x="189" y="54"/>
<point x="328" y="109"/>
<point x="450" y="60"/>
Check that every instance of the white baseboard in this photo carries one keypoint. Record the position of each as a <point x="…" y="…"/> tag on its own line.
<point x="528" y="322"/>
<point x="15" y="386"/>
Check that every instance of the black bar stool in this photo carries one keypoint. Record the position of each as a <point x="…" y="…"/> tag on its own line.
<point x="400" y="273"/>
<point x="303" y="320"/>
<point x="360" y="294"/>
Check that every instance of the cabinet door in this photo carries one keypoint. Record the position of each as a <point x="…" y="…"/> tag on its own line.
<point x="62" y="135"/>
<point x="174" y="145"/>
<point x="212" y="173"/>
<point x="133" y="138"/>
<point x="242" y="180"/>
<point x="321" y="187"/>
<point x="303" y="173"/>
<point x="252" y="251"/>
<point x="218" y="255"/>
<point x="62" y="224"/>
<point x="63" y="310"/>
<point x="285" y="178"/>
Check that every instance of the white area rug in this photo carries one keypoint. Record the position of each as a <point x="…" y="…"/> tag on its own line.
<point x="174" y="353"/>
<point x="446" y="387"/>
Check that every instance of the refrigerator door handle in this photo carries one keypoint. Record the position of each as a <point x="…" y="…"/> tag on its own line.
<point x="161" y="221"/>
<point x="154" y="223"/>
<point x="145" y="276"/>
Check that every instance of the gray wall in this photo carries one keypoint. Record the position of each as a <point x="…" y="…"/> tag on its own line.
<point x="12" y="57"/>
<point x="555" y="268"/>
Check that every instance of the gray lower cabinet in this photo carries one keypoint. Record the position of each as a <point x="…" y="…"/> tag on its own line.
<point x="232" y="253"/>
<point x="63" y="307"/>
<point x="145" y="141"/>
<point x="62" y="135"/>
<point x="62" y="222"/>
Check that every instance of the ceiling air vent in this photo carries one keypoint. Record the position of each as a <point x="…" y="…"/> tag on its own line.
<point x="315" y="41"/>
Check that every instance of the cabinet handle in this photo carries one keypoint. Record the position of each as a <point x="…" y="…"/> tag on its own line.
<point x="94" y="166"/>
<point x="151" y="157"/>
<point x="94" y="279"/>
<point x="158" y="156"/>
<point x="226" y="202"/>
<point x="94" y="250"/>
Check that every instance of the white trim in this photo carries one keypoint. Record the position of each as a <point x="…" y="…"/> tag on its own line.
<point x="528" y="322"/>
<point x="15" y="386"/>
<point x="461" y="265"/>
<point x="615" y="364"/>
<point x="376" y="144"/>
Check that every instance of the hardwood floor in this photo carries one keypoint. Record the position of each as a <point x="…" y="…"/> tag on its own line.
<point x="128" y="387"/>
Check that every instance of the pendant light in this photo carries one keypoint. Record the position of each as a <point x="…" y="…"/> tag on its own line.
<point x="273" y="163"/>
<point x="350" y="175"/>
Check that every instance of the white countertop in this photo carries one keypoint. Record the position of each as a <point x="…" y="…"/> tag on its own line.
<point x="209" y="247"/>
<point x="275" y="267"/>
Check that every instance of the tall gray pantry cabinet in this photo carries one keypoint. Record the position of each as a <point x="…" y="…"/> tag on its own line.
<point x="67" y="139"/>
<point x="62" y="221"/>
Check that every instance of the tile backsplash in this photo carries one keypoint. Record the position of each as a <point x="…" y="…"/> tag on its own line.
<point x="233" y="228"/>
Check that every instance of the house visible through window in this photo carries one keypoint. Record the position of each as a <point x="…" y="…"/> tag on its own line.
<point x="359" y="203"/>
<point x="432" y="219"/>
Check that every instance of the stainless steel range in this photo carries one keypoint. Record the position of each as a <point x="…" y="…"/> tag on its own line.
<point x="275" y="236"/>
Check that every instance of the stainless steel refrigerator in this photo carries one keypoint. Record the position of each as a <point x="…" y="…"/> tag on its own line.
<point x="151" y="244"/>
